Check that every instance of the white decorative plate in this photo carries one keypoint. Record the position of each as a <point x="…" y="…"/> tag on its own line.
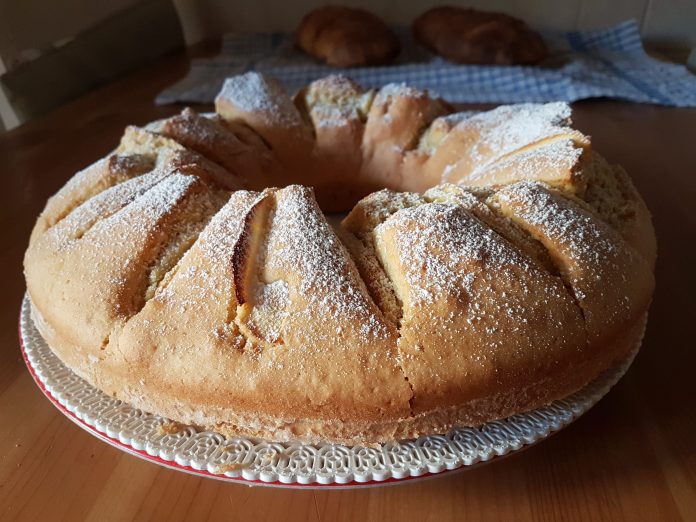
<point x="259" y="462"/>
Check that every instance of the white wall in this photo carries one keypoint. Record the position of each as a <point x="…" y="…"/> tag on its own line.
<point x="36" y="23"/>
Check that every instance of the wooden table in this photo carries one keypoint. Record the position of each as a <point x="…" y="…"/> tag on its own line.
<point x="632" y="457"/>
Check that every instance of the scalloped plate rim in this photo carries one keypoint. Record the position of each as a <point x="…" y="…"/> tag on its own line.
<point x="317" y="480"/>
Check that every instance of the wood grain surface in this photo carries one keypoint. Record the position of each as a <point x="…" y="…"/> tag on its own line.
<point x="632" y="457"/>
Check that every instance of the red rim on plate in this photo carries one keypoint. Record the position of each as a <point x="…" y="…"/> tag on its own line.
<point x="293" y="464"/>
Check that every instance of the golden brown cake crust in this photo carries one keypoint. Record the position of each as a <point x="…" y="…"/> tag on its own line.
<point x="168" y="276"/>
<point x="465" y="35"/>
<point x="346" y="37"/>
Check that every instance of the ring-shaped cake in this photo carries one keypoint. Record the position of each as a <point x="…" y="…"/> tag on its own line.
<point x="489" y="263"/>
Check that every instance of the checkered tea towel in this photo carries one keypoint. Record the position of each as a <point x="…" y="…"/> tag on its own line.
<point x="583" y="64"/>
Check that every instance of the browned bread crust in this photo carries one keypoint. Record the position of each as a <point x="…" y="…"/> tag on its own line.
<point x="346" y="37"/>
<point x="506" y="265"/>
<point x="466" y="35"/>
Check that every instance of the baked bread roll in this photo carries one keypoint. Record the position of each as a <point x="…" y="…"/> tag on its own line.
<point x="172" y="275"/>
<point x="465" y="35"/>
<point x="346" y="37"/>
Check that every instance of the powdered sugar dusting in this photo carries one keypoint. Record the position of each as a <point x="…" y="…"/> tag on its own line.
<point x="89" y="182"/>
<point x="440" y="227"/>
<point x="458" y="117"/>
<point x="302" y="246"/>
<point x="507" y="128"/>
<point x="333" y="115"/>
<point x="140" y="220"/>
<point x="270" y="309"/>
<point x="401" y="89"/>
<point x="587" y="244"/>
<point x="155" y="203"/>
<point x="593" y="259"/>
<point x="557" y="158"/>
<point x="336" y="100"/>
<point x="260" y="298"/>
<point x="205" y="130"/>
<point x="80" y="220"/>
<point x="462" y="283"/>
<point x="150" y="206"/>
<point x="210" y="277"/>
<point x="255" y="93"/>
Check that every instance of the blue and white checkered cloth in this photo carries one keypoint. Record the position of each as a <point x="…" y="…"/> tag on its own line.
<point x="604" y="63"/>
